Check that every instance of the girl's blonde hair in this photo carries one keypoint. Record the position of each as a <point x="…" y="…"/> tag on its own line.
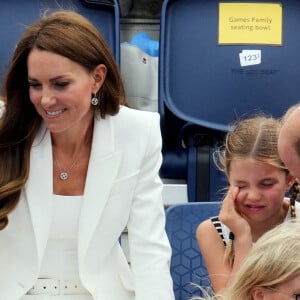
<point x="255" y="138"/>
<point x="273" y="259"/>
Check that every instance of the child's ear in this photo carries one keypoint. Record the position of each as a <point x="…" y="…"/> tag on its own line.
<point x="258" y="293"/>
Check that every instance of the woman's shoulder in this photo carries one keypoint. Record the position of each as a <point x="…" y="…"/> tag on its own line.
<point x="141" y="128"/>
<point x="127" y="112"/>
<point x="137" y="120"/>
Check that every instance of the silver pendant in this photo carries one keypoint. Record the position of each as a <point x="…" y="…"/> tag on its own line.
<point x="63" y="175"/>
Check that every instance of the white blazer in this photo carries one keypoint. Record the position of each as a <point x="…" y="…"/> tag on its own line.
<point x="122" y="188"/>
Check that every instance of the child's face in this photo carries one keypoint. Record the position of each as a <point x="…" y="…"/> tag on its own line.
<point x="283" y="291"/>
<point x="261" y="188"/>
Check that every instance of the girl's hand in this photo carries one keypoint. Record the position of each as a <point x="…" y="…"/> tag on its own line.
<point x="230" y="216"/>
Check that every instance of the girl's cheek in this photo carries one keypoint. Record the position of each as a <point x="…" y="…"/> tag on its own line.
<point x="241" y="196"/>
<point x="239" y="202"/>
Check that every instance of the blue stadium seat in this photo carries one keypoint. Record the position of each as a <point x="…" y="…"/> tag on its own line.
<point x="203" y="88"/>
<point x="187" y="265"/>
<point x="15" y="15"/>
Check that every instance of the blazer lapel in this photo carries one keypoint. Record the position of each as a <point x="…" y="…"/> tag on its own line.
<point x="102" y="171"/>
<point x="27" y="232"/>
<point x="39" y="188"/>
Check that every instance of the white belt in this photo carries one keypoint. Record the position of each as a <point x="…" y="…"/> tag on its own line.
<point x="49" y="286"/>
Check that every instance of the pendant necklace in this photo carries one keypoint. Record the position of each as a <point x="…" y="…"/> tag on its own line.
<point x="64" y="175"/>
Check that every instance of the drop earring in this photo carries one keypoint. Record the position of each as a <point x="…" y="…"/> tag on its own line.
<point x="94" y="100"/>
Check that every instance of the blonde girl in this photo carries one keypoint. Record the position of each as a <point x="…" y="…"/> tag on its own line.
<point x="255" y="201"/>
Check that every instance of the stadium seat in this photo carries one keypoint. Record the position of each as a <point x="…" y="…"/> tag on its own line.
<point x="204" y="87"/>
<point x="187" y="265"/>
<point x="15" y="15"/>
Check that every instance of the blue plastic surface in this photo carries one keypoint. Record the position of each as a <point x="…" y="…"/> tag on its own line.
<point x="203" y="83"/>
<point x="15" y="15"/>
<point x="187" y="265"/>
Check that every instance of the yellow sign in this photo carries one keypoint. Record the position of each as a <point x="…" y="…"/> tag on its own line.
<point x="250" y="23"/>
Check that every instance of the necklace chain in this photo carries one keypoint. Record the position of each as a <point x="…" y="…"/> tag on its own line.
<point x="64" y="175"/>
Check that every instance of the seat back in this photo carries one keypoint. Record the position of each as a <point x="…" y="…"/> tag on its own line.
<point x="204" y="83"/>
<point x="16" y="15"/>
<point x="187" y="265"/>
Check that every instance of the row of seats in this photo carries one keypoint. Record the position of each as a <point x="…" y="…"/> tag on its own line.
<point x="202" y="89"/>
<point x="202" y="86"/>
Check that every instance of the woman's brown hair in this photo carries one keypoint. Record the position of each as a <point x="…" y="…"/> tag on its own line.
<point x="68" y="34"/>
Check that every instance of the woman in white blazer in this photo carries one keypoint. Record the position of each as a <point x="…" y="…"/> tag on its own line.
<point x="77" y="167"/>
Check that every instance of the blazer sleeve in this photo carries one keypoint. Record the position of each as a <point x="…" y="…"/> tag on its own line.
<point x="149" y="247"/>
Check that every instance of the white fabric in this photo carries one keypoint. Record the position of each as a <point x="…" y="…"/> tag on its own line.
<point x="54" y="287"/>
<point x="122" y="188"/>
<point x="140" y="75"/>
<point x="62" y="297"/>
<point x="66" y="212"/>
<point x="59" y="269"/>
<point x="60" y="259"/>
